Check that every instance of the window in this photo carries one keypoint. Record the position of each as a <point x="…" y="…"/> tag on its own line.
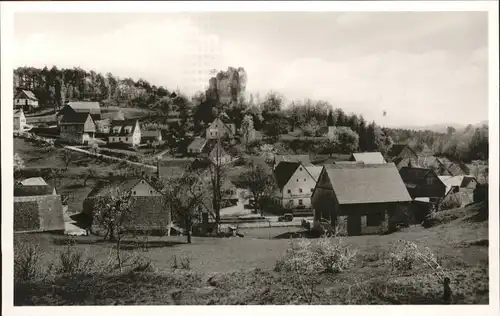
<point x="133" y="192"/>
<point x="126" y="139"/>
<point x="312" y="190"/>
<point x="430" y="180"/>
<point x="304" y="180"/>
<point x="301" y="202"/>
<point x="297" y="180"/>
<point x="150" y="191"/>
<point x="300" y="190"/>
<point x="289" y="191"/>
<point x="374" y="219"/>
<point x="300" y="168"/>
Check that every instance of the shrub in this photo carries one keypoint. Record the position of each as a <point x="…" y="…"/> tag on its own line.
<point x="185" y="263"/>
<point x="407" y="256"/>
<point x="449" y="204"/>
<point x="71" y="261"/>
<point x="27" y="264"/>
<point x="329" y="255"/>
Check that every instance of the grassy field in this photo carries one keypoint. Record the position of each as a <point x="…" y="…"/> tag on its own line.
<point x="460" y="245"/>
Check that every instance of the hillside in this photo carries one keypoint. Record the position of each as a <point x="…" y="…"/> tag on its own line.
<point x="215" y="275"/>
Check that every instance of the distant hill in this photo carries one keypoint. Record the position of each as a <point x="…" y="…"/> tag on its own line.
<point x="441" y="128"/>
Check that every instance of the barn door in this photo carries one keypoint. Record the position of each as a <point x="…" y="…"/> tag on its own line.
<point x="353" y="225"/>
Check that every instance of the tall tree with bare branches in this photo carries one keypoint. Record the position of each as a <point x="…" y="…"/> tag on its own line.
<point x="185" y="197"/>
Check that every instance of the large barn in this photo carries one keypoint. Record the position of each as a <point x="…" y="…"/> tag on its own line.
<point x="360" y="198"/>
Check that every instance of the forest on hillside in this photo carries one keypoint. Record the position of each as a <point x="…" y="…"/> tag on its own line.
<point x="226" y="97"/>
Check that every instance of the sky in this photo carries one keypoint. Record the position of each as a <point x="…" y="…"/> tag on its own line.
<point x="422" y="68"/>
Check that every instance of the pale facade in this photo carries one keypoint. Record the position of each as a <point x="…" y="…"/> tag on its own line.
<point x="298" y="190"/>
<point x="125" y="133"/>
<point x="19" y="120"/>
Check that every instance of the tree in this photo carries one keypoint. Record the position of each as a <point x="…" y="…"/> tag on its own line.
<point x="112" y="213"/>
<point x="311" y="127"/>
<point x="259" y="181"/>
<point x="346" y="139"/>
<point x="450" y="130"/>
<point x="67" y="157"/>
<point x="330" y="121"/>
<point x="217" y="177"/>
<point x="185" y="197"/>
<point x="246" y="129"/>
<point x="18" y="164"/>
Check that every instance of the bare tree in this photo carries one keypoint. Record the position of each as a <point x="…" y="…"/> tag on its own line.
<point x="184" y="197"/>
<point x="67" y="157"/>
<point x="217" y="176"/>
<point x="90" y="174"/>
<point x="112" y="213"/>
<point x="259" y="181"/>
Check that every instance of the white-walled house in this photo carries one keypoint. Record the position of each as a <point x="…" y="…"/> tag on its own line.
<point x="77" y="128"/>
<point x="295" y="183"/>
<point x="19" y="120"/>
<point x="125" y="132"/>
<point x="219" y="129"/>
<point x="26" y="100"/>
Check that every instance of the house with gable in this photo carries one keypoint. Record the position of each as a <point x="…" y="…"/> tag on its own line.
<point x="219" y="129"/>
<point x="368" y="157"/>
<point x="403" y="156"/>
<point x="92" y="108"/>
<point x="295" y="182"/>
<point x="77" y="128"/>
<point x="19" y="120"/>
<point x="360" y="199"/>
<point x="459" y="189"/>
<point x="423" y="183"/>
<point x="26" y="100"/>
<point x="147" y="208"/>
<point x="125" y="132"/>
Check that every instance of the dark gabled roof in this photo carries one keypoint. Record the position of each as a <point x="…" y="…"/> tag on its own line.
<point x="28" y="94"/>
<point x="74" y="118"/>
<point x="367" y="183"/>
<point x="368" y="157"/>
<point x="396" y="149"/>
<point x="118" y="127"/>
<point x="304" y="159"/>
<point x="284" y="170"/>
<point x="413" y="174"/>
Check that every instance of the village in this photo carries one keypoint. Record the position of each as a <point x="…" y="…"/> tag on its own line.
<point x="423" y="182"/>
<point x="237" y="158"/>
<point x="215" y="188"/>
